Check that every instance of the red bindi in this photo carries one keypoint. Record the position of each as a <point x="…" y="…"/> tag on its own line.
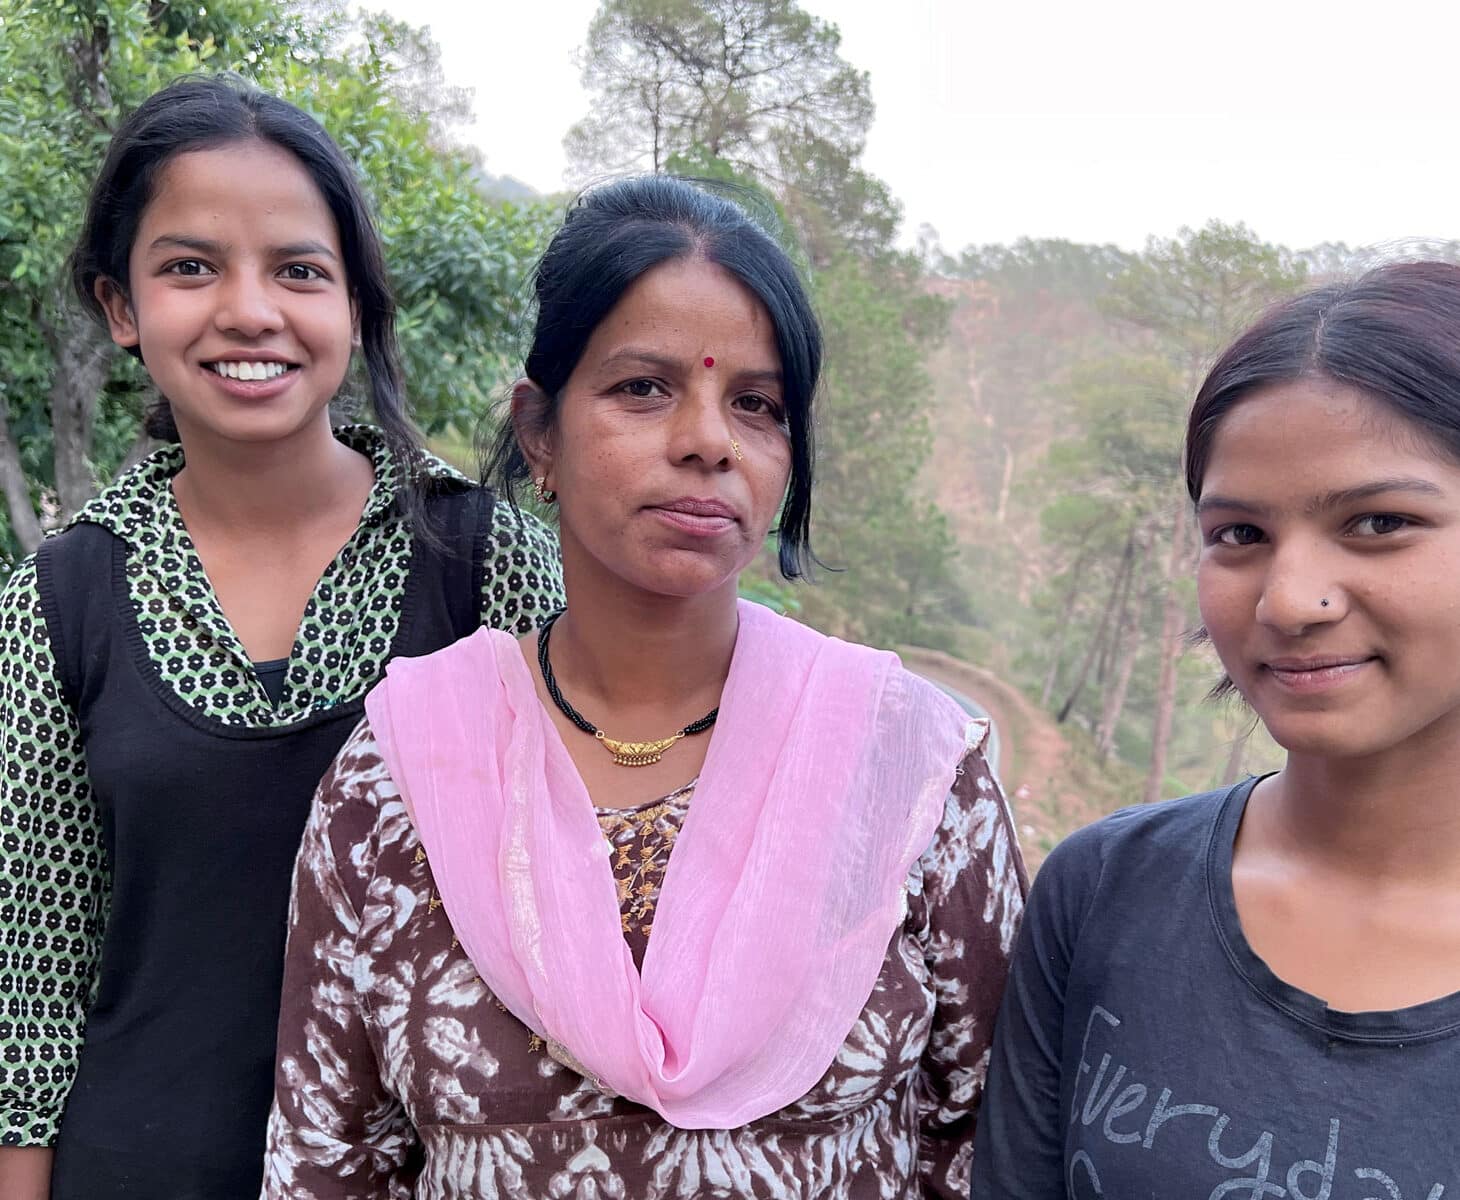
<point x="709" y="362"/>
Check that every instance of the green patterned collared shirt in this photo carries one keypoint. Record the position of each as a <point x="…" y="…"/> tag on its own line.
<point x="52" y="878"/>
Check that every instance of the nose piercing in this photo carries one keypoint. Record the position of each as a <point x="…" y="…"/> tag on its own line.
<point x="1323" y="603"/>
<point x="734" y="445"/>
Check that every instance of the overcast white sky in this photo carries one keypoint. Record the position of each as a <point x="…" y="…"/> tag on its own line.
<point x="1096" y="122"/>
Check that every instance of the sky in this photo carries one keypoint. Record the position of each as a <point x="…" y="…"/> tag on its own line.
<point x="1112" y="122"/>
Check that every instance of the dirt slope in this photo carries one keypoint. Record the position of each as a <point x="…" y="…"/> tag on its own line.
<point x="1037" y="768"/>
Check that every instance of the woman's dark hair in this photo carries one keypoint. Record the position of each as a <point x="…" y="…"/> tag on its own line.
<point x="612" y="236"/>
<point x="201" y="113"/>
<point x="1393" y="333"/>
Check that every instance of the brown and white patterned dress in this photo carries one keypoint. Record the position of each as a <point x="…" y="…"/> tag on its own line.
<point x="400" y="1075"/>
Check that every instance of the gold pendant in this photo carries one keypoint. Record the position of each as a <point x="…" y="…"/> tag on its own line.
<point x="637" y="754"/>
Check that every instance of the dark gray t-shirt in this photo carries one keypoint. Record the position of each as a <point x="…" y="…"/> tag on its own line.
<point x="1145" y="1051"/>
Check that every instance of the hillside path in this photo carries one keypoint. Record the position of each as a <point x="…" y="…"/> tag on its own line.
<point x="1033" y="752"/>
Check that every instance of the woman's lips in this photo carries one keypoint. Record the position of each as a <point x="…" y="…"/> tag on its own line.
<point x="703" y="517"/>
<point x="1315" y="675"/>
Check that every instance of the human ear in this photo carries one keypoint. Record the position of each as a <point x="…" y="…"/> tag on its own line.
<point x="120" y="320"/>
<point x="532" y="426"/>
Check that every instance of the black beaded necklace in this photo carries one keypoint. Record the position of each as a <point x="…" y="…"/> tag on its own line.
<point x="625" y="754"/>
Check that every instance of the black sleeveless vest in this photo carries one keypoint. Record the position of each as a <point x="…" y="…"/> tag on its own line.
<point x="201" y="825"/>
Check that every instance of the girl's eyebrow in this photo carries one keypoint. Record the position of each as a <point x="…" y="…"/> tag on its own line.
<point x="1339" y="498"/>
<point x="181" y="241"/>
<point x="304" y="249"/>
<point x="1344" y="497"/>
<point x="207" y="246"/>
<point x="1227" y="504"/>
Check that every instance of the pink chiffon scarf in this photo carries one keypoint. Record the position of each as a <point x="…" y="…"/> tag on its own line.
<point x="825" y="778"/>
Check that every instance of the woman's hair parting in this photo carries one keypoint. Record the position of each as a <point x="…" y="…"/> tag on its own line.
<point x="204" y="113"/>
<point x="613" y="235"/>
<point x="1393" y="333"/>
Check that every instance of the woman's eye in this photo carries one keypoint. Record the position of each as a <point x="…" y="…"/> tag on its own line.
<point x="1236" y="535"/>
<point x="302" y="273"/>
<point x="187" y="266"/>
<point x="757" y="405"/>
<point x="643" y="388"/>
<point x="1376" y="524"/>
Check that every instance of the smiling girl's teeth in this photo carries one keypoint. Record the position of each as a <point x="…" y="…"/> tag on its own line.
<point x="249" y="370"/>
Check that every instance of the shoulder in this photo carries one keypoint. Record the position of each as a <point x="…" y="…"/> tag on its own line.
<point x="355" y="791"/>
<point x="513" y="528"/>
<point x="522" y="570"/>
<point x="975" y="851"/>
<point x="431" y="699"/>
<point x="75" y="553"/>
<point x="1128" y="858"/>
<point x="20" y="596"/>
<point x="131" y="506"/>
<point x="460" y="668"/>
<point x="844" y="663"/>
<point x="916" y="688"/>
<point x="357" y="813"/>
<point x="1143" y="830"/>
<point x="975" y="815"/>
<point x="26" y="661"/>
<point x="358" y="779"/>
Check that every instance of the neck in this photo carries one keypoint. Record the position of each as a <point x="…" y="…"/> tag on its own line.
<point x="621" y="651"/>
<point x="1391" y="815"/>
<point x="265" y="487"/>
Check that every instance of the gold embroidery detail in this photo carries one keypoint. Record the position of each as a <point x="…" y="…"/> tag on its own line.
<point x="640" y="840"/>
<point x="420" y="854"/>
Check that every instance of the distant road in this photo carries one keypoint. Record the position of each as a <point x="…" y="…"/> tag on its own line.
<point x="975" y="709"/>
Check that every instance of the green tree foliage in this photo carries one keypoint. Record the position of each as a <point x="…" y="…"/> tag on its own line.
<point x="746" y="80"/>
<point x="877" y="523"/>
<point x="71" y="69"/>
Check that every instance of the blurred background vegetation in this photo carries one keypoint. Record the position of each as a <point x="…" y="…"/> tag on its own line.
<point x="1000" y="425"/>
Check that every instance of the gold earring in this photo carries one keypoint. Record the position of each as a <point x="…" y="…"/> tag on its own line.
<point x="734" y="445"/>
<point x="544" y="494"/>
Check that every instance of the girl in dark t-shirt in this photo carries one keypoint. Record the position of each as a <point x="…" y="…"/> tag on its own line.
<point x="1256" y="992"/>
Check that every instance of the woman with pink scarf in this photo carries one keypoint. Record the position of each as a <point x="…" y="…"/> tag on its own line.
<point x="474" y="1004"/>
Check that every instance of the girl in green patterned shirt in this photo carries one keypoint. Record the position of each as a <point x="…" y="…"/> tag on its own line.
<point x="180" y="663"/>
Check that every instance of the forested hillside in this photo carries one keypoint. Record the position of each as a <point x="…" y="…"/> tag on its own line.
<point x="1061" y="394"/>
